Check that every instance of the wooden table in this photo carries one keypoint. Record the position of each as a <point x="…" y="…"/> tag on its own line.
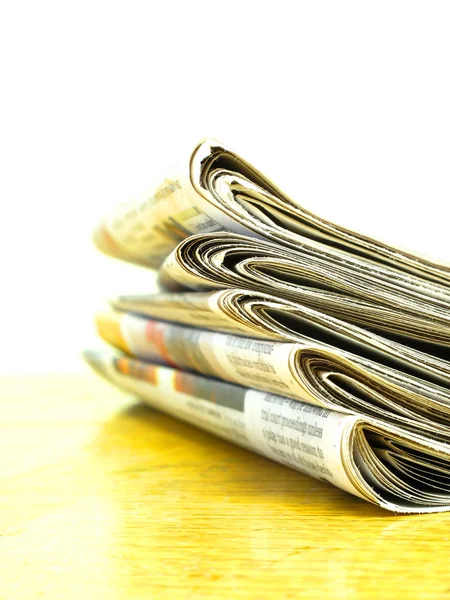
<point x="104" y="498"/>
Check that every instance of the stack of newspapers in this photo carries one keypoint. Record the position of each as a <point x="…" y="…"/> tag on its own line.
<point x="296" y="338"/>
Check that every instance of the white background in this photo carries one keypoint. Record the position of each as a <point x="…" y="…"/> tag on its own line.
<point x="345" y="105"/>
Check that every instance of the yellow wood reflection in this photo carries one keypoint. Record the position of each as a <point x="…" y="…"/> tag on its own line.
<point x="104" y="498"/>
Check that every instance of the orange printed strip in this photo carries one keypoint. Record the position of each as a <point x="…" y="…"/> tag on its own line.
<point x="138" y="369"/>
<point x="155" y="334"/>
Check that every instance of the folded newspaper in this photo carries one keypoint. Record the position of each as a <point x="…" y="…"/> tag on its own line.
<point x="318" y="347"/>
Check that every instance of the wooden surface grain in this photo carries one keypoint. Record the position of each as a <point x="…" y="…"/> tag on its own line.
<point x="104" y="498"/>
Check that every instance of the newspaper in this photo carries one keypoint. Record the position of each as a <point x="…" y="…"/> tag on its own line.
<point x="306" y="370"/>
<point x="259" y="294"/>
<point x="381" y="464"/>
<point x="263" y="316"/>
<point x="373" y="300"/>
<point x="212" y="189"/>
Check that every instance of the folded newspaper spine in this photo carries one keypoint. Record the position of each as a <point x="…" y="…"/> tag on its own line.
<point x="314" y="345"/>
<point x="303" y="371"/>
<point x="355" y="454"/>
<point x="213" y="189"/>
